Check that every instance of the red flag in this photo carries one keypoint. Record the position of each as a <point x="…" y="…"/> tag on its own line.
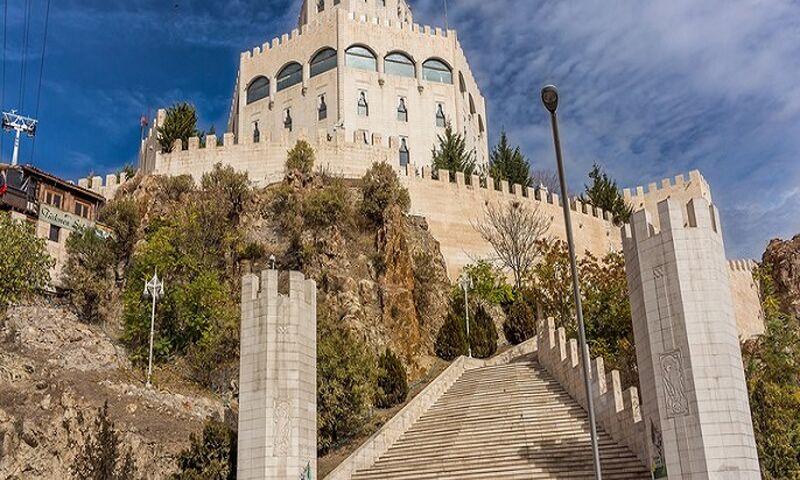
<point x="143" y="121"/>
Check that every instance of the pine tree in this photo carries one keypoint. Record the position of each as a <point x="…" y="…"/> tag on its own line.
<point x="180" y="123"/>
<point x="506" y="163"/>
<point x="102" y="457"/>
<point x="482" y="333"/>
<point x="452" y="154"/>
<point x="392" y="381"/>
<point x="603" y="193"/>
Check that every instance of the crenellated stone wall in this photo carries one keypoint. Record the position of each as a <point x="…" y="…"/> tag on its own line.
<point x="617" y="410"/>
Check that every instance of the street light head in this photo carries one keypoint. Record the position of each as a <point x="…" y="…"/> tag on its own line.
<point x="550" y="98"/>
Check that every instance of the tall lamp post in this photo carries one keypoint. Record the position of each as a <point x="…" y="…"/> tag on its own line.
<point x="155" y="289"/>
<point x="550" y="100"/>
<point x="466" y="283"/>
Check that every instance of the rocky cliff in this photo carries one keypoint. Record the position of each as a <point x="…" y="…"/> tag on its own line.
<point x="783" y="258"/>
<point x="55" y="373"/>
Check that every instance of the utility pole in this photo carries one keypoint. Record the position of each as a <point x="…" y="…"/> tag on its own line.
<point x="466" y="283"/>
<point x="20" y="124"/>
<point x="154" y="288"/>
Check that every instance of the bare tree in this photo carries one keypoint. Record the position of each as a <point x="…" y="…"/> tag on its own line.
<point x="545" y="177"/>
<point x="514" y="229"/>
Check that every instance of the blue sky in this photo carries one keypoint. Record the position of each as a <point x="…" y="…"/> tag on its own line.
<point x="649" y="89"/>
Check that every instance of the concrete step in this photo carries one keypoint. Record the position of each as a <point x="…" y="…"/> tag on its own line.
<point x="509" y="421"/>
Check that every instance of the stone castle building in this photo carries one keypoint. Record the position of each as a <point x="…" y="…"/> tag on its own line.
<point x="363" y="66"/>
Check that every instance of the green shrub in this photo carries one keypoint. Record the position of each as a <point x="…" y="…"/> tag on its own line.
<point x="211" y="457"/>
<point x="345" y="387"/>
<point x="392" y="381"/>
<point x="381" y="190"/>
<point x="176" y="187"/>
<point x="123" y="218"/>
<point x="301" y="158"/>
<point x="327" y="206"/>
<point x="102" y="456"/>
<point x="231" y="186"/>
<point x="451" y="341"/>
<point x="488" y="283"/>
<point x="520" y="324"/>
<point x="88" y="274"/>
<point x="24" y="262"/>
<point x="482" y="333"/>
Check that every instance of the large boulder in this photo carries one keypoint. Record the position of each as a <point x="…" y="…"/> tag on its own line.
<point x="783" y="258"/>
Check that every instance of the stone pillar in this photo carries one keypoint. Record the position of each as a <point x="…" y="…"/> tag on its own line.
<point x="694" y="396"/>
<point x="277" y="379"/>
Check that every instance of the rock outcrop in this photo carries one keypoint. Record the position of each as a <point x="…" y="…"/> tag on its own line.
<point x="783" y="258"/>
<point x="55" y="373"/>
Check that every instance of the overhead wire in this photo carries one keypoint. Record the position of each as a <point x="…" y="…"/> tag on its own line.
<point x="3" y="94"/>
<point x="41" y="72"/>
<point x="24" y="56"/>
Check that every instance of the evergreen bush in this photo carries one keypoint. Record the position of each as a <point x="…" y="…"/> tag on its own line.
<point x="301" y="158"/>
<point x="482" y="333"/>
<point x="451" y="341"/>
<point x="520" y="324"/>
<point x="392" y="381"/>
<point x="345" y="387"/>
<point x="103" y="456"/>
<point x="381" y="190"/>
<point x="211" y="456"/>
<point x="180" y="123"/>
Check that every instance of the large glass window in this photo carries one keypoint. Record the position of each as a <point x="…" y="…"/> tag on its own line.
<point x="437" y="71"/>
<point x="290" y="75"/>
<point x="258" y="89"/>
<point x="323" y="61"/>
<point x="361" y="58"/>
<point x="399" y="64"/>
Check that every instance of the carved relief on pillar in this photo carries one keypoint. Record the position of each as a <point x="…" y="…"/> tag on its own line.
<point x="283" y="425"/>
<point x="674" y="390"/>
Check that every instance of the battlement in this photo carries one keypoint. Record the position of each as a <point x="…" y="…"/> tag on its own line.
<point x="617" y="410"/>
<point x="667" y="185"/>
<point x="324" y="21"/>
<point x="698" y="213"/>
<point x="512" y="191"/>
<point x="301" y="291"/>
<point x="107" y="188"/>
<point x="746" y="265"/>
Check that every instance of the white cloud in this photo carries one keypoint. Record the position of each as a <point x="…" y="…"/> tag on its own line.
<point x="652" y="89"/>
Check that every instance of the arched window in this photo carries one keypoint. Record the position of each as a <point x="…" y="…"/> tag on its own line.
<point x="471" y="105"/>
<point x="399" y="64"/>
<point x="287" y="119"/>
<point x="323" y="61"/>
<point x="481" y="127"/>
<point x="437" y="71"/>
<point x="363" y="104"/>
<point x="322" y="108"/>
<point x="258" y="89"/>
<point x="256" y="133"/>
<point x="405" y="156"/>
<point x="361" y="58"/>
<point x="290" y="75"/>
<point x="402" y="110"/>
<point x="441" y="119"/>
<point x="461" y="84"/>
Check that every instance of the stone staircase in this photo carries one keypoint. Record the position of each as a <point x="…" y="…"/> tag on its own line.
<point x="510" y="421"/>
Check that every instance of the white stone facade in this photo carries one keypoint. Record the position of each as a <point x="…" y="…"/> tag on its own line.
<point x="277" y="379"/>
<point x="374" y="70"/>
<point x="694" y="396"/>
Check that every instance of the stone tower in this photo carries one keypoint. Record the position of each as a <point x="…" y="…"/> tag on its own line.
<point x="277" y="379"/>
<point x="694" y="395"/>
